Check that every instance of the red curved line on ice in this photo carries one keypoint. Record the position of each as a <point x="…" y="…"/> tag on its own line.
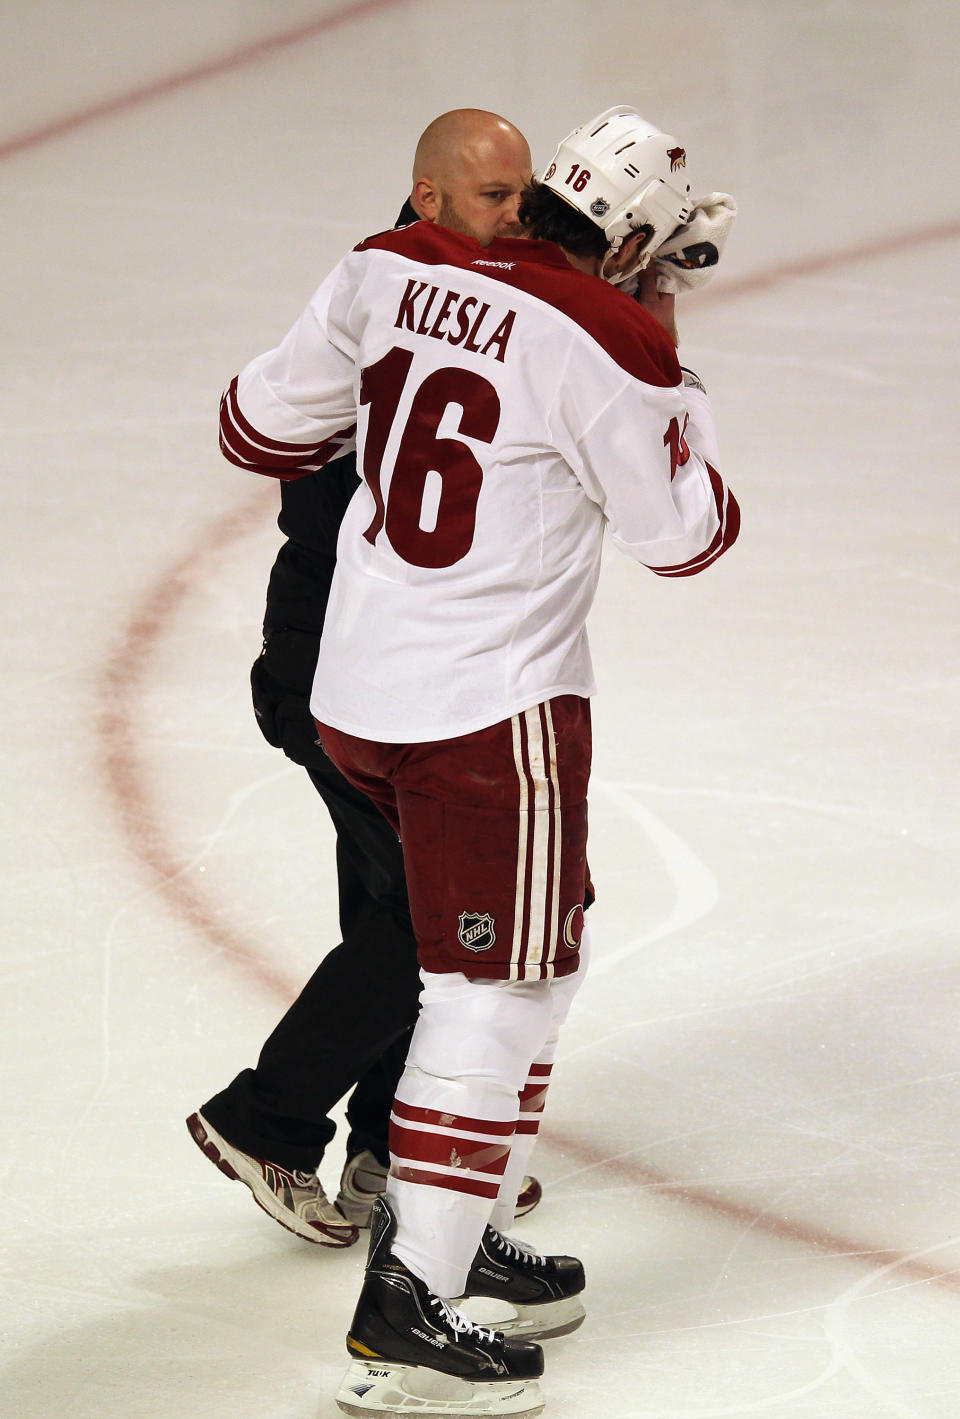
<point x="124" y="671"/>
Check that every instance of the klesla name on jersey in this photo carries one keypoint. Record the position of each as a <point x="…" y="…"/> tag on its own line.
<point x="461" y="320"/>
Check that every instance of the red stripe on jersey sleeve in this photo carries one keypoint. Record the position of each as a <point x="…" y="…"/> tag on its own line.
<point x="728" y="510"/>
<point x="248" y="448"/>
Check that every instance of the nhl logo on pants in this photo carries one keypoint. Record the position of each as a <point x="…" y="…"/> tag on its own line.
<point x="476" y="931"/>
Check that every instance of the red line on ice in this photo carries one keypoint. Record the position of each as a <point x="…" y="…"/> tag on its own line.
<point x="127" y="779"/>
<point x="639" y="1174"/>
<point x="142" y="825"/>
<point x="251" y="53"/>
<point x="125" y="672"/>
<point x="829" y="261"/>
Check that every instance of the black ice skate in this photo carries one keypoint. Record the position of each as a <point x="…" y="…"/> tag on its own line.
<point x="414" y="1353"/>
<point x="542" y="1290"/>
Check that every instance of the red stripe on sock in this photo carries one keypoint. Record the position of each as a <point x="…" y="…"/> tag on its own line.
<point x="450" y="1150"/>
<point x="452" y="1183"/>
<point x="444" y="1122"/>
<point x="533" y="1098"/>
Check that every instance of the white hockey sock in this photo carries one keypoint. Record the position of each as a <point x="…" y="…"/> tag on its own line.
<point x="446" y="1165"/>
<point x="534" y="1093"/>
<point x="454" y="1117"/>
<point x="532" y="1099"/>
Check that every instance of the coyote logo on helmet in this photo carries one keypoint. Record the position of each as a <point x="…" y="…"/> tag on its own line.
<point x="476" y="931"/>
<point x="678" y="158"/>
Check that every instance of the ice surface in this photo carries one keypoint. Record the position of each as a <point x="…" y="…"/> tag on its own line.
<point x="753" y="1133"/>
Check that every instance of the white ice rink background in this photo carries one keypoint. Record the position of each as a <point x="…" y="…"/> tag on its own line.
<point x="753" y="1133"/>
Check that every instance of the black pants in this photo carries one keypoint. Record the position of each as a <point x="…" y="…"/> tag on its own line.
<point x="350" y="1026"/>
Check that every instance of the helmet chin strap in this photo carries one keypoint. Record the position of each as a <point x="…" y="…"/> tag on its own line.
<point x="619" y="275"/>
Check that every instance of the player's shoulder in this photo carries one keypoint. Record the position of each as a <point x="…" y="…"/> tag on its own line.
<point x="629" y="335"/>
<point x="423" y="241"/>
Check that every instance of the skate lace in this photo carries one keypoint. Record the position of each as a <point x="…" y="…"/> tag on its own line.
<point x="458" y="1322"/>
<point x="515" y="1249"/>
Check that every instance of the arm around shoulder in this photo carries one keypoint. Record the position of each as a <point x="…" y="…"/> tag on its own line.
<point x="292" y="409"/>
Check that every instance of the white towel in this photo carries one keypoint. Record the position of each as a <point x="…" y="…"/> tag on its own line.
<point x="688" y="258"/>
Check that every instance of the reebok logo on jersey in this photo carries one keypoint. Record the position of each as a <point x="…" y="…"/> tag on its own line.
<point x="476" y="931"/>
<point x="500" y="265"/>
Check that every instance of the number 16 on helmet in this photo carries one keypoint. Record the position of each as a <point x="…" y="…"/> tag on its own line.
<point x="625" y="176"/>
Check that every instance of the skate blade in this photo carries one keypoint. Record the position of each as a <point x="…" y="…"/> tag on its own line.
<point x="395" y="1391"/>
<point x="542" y="1322"/>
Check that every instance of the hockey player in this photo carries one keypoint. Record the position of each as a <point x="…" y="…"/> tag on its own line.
<point x="509" y="409"/>
<point x="350" y="1025"/>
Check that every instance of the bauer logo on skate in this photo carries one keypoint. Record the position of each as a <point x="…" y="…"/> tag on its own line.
<point x="476" y="931"/>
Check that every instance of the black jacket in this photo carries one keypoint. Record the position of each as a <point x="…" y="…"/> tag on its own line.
<point x="311" y="510"/>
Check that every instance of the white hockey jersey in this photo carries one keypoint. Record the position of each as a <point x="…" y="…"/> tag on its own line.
<point x="507" y="410"/>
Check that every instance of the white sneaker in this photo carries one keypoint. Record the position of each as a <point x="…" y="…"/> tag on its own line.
<point x="294" y="1199"/>
<point x="364" y="1178"/>
<point x="528" y="1197"/>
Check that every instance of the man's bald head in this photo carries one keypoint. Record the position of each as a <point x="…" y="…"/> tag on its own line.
<point x="465" y="135"/>
<point x="469" y="170"/>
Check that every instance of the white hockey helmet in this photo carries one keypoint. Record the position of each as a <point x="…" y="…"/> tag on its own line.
<point x="624" y="175"/>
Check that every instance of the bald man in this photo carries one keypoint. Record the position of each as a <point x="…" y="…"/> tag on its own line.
<point x="350" y="1027"/>
<point x="469" y="170"/>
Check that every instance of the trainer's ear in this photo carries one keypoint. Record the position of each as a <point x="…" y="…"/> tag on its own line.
<point x="426" y="200"/>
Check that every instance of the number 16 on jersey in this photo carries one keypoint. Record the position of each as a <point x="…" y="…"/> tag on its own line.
<point x="421" y="453"/>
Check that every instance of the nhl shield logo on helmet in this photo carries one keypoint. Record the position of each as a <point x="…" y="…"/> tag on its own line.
<point x="476" y="931"/>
